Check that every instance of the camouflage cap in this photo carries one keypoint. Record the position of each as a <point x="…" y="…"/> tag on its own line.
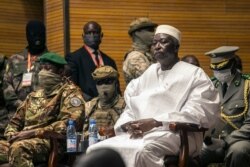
<point x="53" y="57"/>
<point x="104" y="72"/>
<point x="221" y="56"/>
<point x="139" y="23"/>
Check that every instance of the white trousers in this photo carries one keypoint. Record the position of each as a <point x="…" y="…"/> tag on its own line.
<point x="146" y="152"/>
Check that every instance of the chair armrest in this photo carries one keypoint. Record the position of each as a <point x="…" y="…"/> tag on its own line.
<point x="54" y="137"/>
<point x="177" y="126"/>
<point x="183" y="129"/>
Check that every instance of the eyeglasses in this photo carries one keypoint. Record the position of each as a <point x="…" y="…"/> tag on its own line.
<point x="107" y="81"/>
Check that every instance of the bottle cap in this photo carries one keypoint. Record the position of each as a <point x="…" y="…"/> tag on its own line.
<point x="71" y="122"/>
<point x="92" y="121"/>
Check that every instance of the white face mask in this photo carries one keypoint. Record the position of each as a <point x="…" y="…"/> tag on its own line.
<point x="223" y="75"/>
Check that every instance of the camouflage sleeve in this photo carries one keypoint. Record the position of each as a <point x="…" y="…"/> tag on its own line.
<point x="134" y="65"/>
<point x="16" y="123"/>
<point x="71" y="107"/>
<point x="10" y="96"/>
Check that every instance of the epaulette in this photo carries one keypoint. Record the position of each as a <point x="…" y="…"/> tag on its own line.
<point x="245" y="76"/>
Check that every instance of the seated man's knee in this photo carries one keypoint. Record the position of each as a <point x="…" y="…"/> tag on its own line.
<point x="143" y="152"/>
<point x="149" y="150"/>
<point x="4" y="149"/>
<point x="239" y="151"/>
<point x="16" y="149"/>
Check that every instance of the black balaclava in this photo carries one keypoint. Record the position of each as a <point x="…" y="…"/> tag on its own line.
<point x="36" y="36"/>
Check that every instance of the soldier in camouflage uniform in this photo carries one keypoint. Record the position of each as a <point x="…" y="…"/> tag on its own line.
<point x="21" y="75"/>
<point x="47" y="109"/>
<point x="3" y="110"/>
<point x="107" y="107"/>
<point x="230" y="138"/>
<point x="139" y="58"/>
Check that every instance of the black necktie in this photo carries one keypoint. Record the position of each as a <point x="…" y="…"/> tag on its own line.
<point x="96" y="58"/>
<point x="224" y="89"/>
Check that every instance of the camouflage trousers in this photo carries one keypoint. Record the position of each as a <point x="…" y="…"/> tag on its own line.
<point x="4" y="149"/>
<point x="24" y="153"/>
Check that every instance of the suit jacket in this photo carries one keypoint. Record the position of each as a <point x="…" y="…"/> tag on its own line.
<point x="82" y="66"/>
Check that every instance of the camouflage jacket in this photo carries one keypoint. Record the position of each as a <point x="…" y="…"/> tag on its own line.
<point x="49" y="112"/>
<point x="104" y="116"/>
<point x="14" y="92"/>
<point x="135" y="63"/>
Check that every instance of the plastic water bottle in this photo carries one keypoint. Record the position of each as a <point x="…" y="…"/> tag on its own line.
<point x="71" y="137"/>
<point x="93" y="131"/>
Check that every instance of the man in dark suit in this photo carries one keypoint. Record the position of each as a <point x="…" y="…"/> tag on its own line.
<point x="86" y="59"/>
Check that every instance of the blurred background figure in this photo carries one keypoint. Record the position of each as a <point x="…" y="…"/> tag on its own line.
<point x="139" y="58"/>
<point x="21" y="72"/>
<point x="3" y="110"/>
<point x="191" y="59"/>
<point x="87" y="58"/>
<point x="104" y="157"/>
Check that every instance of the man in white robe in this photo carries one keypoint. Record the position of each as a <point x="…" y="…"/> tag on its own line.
<point x="168" y="91"/>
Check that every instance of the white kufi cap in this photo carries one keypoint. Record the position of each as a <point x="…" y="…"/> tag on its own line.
<point x="170" y="30"/>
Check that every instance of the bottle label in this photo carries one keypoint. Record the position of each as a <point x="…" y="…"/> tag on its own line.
<point x="93" y="140"/>
<point x="71" y="145"/>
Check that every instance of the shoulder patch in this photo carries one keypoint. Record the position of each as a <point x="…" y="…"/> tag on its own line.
<point x="75" y="101"/>
<point x="246" y="76"/>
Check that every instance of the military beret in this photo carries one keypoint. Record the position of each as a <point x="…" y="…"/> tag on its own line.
<point x="221" y="56"/>
<point x="104" y="72"/>
<point x="139" y="23"/>
<point x="53" y="57"/>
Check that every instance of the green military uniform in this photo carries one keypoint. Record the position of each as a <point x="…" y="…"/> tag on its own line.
<point x="14" y="92"/>
<point x="139" y="58"/>
<point x="105" y="115"/>
<point x="234" y="104"/>
<point x="3" y="110"/>
<point x="42" y="112"/>
<point x="234" y="125"/>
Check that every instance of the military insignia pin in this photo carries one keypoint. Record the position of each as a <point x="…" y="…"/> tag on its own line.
<point x="75" y="101"/>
